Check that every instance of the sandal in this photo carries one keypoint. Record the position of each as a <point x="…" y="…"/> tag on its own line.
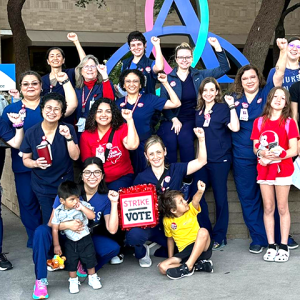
<point x="282" y="255"/>
<point x="270" y="254"/>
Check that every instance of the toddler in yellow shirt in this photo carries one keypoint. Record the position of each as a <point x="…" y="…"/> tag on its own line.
<point x="181" y="226"/>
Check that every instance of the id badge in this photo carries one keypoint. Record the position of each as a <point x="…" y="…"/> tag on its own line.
<point x="244" y="114"/>
<point x="206" y="123"/>
<point x="81" y="124"/>
<point x="92" y="102"/>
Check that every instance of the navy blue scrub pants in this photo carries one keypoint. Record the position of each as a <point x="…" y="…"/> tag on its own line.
<point x="185" y="141"/>
<point x="29" y="205"/>
<point x="245" y="173"/>
<point x="105" y="249"/>
<point x="214" y="175"/>
<point x="46" y="203"/>
<point x="123" y="182"/>
<point x="137" y="237"/>
<point x="138" y="158"/>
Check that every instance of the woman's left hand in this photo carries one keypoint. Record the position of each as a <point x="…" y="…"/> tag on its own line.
<point x="155" y="40"/>
<point x="163" y="78"/>
<point x="64" y="131"/>
<point x="72" y="36"/>
<point x="14" y="118"/>
<point x="61" y="76"/>
<point x="215" y="43"/>
<point x="126" y="114"/>
<point x="102" y="69"/>
<point x="113" y="196"/>
<point x="199" y="132"/>
<point x="229" y="100"/>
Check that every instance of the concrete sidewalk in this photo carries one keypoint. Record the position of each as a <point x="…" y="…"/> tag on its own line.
<point x="237" y="275"/>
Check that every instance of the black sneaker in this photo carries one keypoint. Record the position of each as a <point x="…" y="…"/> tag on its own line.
<point x="256" y="249"/>
<point x="179" y="272"/>
<point x="292" y="244"/>
<point x="204" y="266"/>
<point x="5" y="264"/>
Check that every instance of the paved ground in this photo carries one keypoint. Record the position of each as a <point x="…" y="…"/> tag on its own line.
<point x="238" y="275"/>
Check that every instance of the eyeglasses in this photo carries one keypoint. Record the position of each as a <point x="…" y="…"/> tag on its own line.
<point x="49" y="108"/>
<point x="88" y="173"/>
<point x="93" y="67"/>
<point x="294" y="45"/>
<point x="27" y="84"/>
<point x="184" y="57"/>
<point x="132" y="81"/>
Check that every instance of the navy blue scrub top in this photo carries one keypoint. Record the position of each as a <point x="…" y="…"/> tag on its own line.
<point x="47" y="181"/>
<point x="173" y="178"/>
<point x="241" y="142"/>
<point x="6" y="133"/>
<point x="32" y="117"/>
<point x="143" y="112"/>
<point x="217" y="134"/>
<point x="58" y="88"/>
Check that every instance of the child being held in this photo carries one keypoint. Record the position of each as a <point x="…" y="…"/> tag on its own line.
<point x="78" y="245"/>
<point x="181" y="225"/>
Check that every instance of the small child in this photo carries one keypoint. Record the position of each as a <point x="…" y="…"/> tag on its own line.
<point x="181" y="225"/>
<point x="78" y="245"/>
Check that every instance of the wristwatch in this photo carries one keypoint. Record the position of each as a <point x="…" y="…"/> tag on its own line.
<point x="70" y="139"/>
<point x="65" y="81"/>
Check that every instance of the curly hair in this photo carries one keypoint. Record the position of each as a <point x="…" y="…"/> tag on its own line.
<point x="125" y="73"/>
<point x="117" y="119"/>
<point x="237" y="88"/>
<point x="286" y="111"/>
<point x="78" y="76"/>
<point x="218" y="98"/>
<point x="136" y="36"/>
<point x="167" y="202"/>
<point x="57" y="97"/>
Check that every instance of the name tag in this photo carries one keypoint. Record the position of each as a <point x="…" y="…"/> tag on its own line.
<point x="81" y="124"/>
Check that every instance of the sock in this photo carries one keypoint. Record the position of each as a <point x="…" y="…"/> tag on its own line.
<point x="284" y="247"/>
<point x="272" y="246"/>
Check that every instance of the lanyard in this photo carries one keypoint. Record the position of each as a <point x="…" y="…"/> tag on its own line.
<point x="85" y="100"/>
<point x="136" y="102"/>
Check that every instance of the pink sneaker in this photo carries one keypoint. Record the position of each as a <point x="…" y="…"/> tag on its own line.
<point x="40" y="289"/>
<point x="80" y="271"/>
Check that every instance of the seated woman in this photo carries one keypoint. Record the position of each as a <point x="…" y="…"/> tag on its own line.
<point x="62" y="141"/>
<point x="164" y="177"/>
<point x="95" y="192"/>
<point x="92" y="83"/>
<point x="143" y="107"/>
<point x="108" y="138"/>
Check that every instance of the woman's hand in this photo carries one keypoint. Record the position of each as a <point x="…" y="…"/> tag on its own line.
<point x="113" y="196"/>
<point x="282" y="44"/>
<point x="61" y="76"/>
<point x="14" y="118"/>
<point x="57" y="250"/>
<point x="176" y="125"/>
<point x="14" y="93"/>
<point x="229" y="100"/>
<point x="126" y="114"/>
<point x="199" y="132"/>
<point x="72" y="36"/>
<point x="64" y="130"/>
<point x="75" y="225"/>
<point x="155" y="41"/>
<point x="163" y="78"/>
<point x="41" y="163"/>
<point x="215" y="44"/>
<point x="102" y="69"/>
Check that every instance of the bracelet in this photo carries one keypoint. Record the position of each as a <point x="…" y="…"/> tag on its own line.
<point x="20" y="125"/>
<point x="64" y="82"/>
<point x="231" y="107"/>
<point x="70" y="139"/>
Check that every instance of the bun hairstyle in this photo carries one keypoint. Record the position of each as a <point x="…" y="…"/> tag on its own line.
<point x="183" y="46"/>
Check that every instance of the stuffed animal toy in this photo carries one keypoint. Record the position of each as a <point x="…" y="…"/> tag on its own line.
<point x="56" y="263"/>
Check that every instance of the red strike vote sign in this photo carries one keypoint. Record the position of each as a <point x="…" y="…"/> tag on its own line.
<point x="138" y="206"/>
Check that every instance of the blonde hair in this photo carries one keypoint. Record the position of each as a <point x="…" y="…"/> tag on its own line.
<point x="183" y="46"/>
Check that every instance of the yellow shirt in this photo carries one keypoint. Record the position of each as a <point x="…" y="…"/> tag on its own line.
<point x="183" y="229"/>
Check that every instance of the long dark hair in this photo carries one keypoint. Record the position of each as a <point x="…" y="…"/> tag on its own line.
<point x="102" y="188"/>
<point x="117" y="119"/>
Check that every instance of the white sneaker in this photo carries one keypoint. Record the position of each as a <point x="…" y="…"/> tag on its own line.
<point x="94" y="281"/>
<point x="146" y="261"/>
<point x="117" y="259"/>
<point x="74" y="285"/>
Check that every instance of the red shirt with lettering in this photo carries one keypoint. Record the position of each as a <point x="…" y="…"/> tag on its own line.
<point x="118" y="162"/>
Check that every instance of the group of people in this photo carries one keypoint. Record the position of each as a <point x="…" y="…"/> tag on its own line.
<point x="253" y="128"/>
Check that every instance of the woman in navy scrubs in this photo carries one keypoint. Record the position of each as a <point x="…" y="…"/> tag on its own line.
<point x="217" y="119"/>
<point x="92" y="83"/>
<point x="177" y="129"/>
<point x="31" y="86"/>
<point x="164" y="177"/>
<point x="250" y="93"/>
<point x="56" y="59"/>
<point x="62" y="140"/>
<point x="143" y="107"/>
<point x="14" y="140"/>
<point x="94" y="191"/>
